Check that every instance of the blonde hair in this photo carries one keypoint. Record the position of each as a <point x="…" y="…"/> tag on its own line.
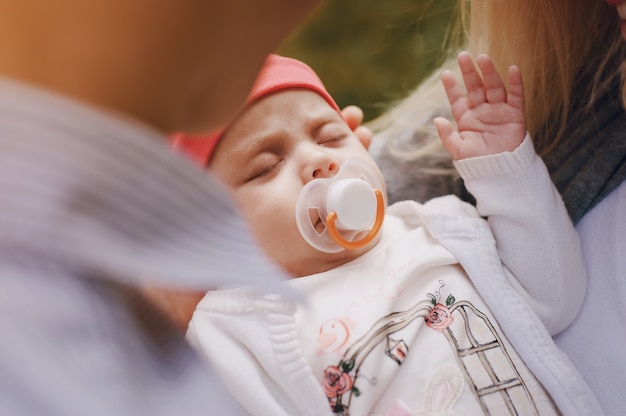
<point x="566" y="52"/>
<point x="570" y="57"/>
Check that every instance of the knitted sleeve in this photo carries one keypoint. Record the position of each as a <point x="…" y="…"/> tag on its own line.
<point x="535" y="238"/>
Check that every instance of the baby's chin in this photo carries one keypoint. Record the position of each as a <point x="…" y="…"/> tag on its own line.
<point x="318" y="262"/>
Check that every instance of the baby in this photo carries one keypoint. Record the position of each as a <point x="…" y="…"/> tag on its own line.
<point x="436" y="308"/>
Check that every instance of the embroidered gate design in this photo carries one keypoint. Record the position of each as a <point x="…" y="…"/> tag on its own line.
<point x="471" y="351"/>
<point x="477" y="346"/>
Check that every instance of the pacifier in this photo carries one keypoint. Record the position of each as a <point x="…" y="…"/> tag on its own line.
<point x="333" y="214"/>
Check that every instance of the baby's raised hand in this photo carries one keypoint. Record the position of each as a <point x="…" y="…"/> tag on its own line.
<point x="489" y="120"/>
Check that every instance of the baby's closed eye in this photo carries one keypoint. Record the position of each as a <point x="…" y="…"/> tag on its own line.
<point x="264" y="166"/>
<point x="332" y="133"/>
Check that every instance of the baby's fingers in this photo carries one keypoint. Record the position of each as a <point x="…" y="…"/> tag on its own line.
<point x="495" y="91"/>
<point x="455" y="93"/>
<point x="448" y="135"/>
<point x="473" y="81"/>
<point x="516" y="89"/>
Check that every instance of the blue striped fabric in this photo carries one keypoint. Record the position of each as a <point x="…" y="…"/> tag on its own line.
<point x="81" y="187"/>
<point x="91" y="206"/>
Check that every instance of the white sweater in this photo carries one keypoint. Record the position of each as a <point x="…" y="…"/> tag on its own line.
<point x="524" y="261"/>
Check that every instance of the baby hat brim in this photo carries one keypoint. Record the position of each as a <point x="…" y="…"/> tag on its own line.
<point x="278" y="73"/>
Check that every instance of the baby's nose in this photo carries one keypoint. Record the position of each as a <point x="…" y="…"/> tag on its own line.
<point x="326" y="170"/>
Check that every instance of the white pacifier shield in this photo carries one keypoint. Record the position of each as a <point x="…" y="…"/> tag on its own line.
<point x="350" y="194"/>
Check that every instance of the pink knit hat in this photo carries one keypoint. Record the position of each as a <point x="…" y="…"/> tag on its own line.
<point x="277" y="73"/>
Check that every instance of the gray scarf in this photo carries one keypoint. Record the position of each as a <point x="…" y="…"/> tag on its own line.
<point x="591" y="161"/>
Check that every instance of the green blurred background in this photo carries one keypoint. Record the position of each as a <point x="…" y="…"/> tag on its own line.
<point x="373" y="53"/>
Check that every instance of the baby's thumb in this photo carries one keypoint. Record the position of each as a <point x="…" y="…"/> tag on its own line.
<point x="448" y="135"/>
<point x="444" y="128"/>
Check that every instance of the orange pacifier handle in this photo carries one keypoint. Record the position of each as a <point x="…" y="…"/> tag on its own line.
<point x="353" y="245"/>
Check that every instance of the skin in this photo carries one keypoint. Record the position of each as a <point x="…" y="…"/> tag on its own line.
<point x="180" y="305"/>
<point x="266" y="182"/>
<point x="177" y="65"/>
<point x="266" y="156"/>
<point x="489" y="119"/>
<point x="284" y="140"/>
<point x="353" y="117"/>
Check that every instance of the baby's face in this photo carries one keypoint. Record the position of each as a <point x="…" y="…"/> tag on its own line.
<point x="274" y="148"/>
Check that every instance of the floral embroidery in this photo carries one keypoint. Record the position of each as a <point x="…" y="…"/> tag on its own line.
<point x="439" y="317"/>
<point x="341" y="383"/>
<point x="336" y="382"/>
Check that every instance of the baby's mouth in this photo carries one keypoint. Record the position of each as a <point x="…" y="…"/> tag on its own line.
<point x="316" y="219"/>
<point x="320" y="226"/>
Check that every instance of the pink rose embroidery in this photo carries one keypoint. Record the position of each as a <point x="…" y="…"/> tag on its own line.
<point x="439" y="317"/>
<point x="335" y="382"/>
